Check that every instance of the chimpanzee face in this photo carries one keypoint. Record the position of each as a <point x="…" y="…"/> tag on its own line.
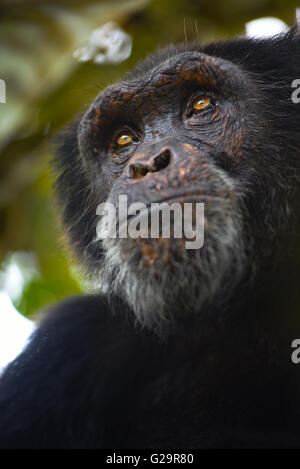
<point x="193" y="129"/>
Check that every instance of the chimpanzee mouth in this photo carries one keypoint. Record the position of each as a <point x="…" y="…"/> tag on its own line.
<point x="182" y="198"/>
<point x="176" y="217"/>
<point x="180" y="216"/>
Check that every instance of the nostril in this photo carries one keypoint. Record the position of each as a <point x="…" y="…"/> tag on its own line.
<point x="156" y="163"/>
<point x="162" y="160"/>
<point x="137" y="172"/>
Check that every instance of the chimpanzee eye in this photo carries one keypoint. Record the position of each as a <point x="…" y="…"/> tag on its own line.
<point x="199" y="104"/>
<point x="124" y="144"/>
<point x="124" y="139"/>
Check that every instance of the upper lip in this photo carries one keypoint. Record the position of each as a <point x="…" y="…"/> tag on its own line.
<point x="189" y="195"/>
<point x="184" y="195"/>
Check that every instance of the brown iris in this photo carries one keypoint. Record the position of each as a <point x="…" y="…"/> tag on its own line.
<point x="124" y="139"/>
<point x="200" y="104"/>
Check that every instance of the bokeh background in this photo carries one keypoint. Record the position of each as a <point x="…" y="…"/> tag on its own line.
<point x="53" y="65"/>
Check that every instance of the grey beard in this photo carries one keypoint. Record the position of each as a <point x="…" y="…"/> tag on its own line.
<point x="180" y="281"/>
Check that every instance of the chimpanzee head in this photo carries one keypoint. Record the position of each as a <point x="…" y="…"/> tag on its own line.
<point x="212" y="125"/>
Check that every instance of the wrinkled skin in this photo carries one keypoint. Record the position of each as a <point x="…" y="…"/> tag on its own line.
<point x="182" y="349"/>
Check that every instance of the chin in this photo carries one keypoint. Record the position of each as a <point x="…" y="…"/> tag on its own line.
<point x="162" y="282"/>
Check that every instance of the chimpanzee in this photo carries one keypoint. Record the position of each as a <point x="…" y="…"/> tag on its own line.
<point x="178" y="348"/>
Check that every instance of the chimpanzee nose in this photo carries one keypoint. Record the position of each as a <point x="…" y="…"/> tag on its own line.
<point x="154" y="164"/>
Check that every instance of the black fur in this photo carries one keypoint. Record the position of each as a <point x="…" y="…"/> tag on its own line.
<point x="93" y="378"/>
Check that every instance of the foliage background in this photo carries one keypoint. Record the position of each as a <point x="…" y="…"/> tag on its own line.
<point x="47" y="87"/>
